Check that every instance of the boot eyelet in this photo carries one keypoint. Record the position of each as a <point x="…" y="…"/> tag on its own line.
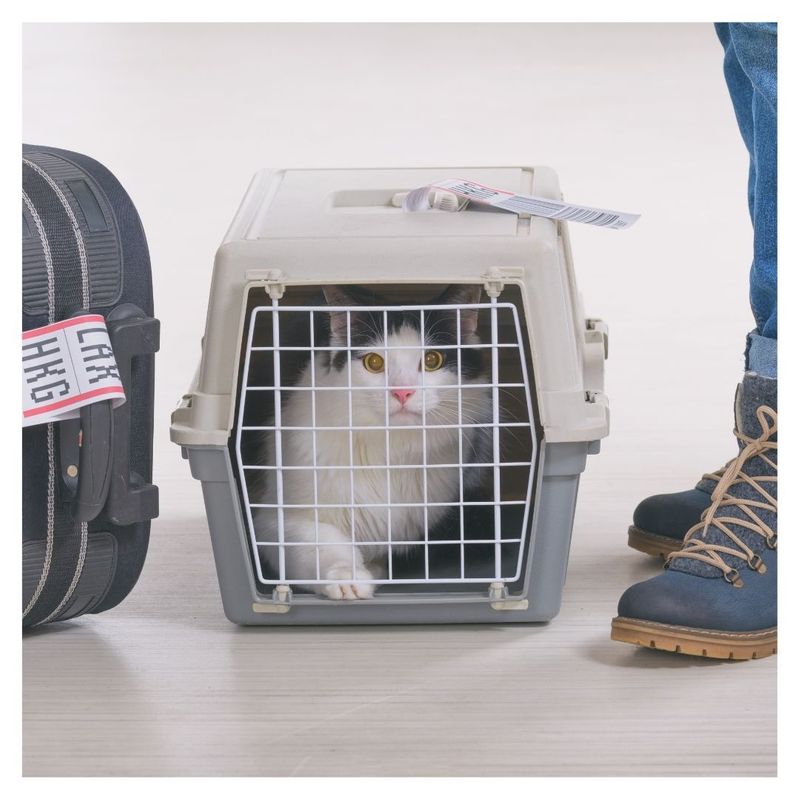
<point x="772" y="542"/>
<point x="756" y="563"/>
<point x="733" y="578"/>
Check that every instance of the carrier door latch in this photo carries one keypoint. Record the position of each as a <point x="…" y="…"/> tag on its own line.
<point x="500" y="601"/>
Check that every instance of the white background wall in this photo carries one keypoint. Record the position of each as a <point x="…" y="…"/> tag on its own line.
<point x="634" y="117"/>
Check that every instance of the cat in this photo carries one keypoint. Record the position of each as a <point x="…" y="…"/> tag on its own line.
<point x="368" y="364"/>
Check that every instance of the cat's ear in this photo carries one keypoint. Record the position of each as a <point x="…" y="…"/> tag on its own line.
<point x="464" y="294"/>
<point x="338" y="296"/>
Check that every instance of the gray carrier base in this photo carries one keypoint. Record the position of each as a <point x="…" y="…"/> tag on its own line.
<point x="298" y="230"/>
<point x="544" y="571"/>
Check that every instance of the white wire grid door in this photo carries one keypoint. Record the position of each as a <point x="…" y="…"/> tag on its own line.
<point x="427" y="490"/>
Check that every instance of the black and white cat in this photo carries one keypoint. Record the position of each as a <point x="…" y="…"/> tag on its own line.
<point x="374" y="367"/>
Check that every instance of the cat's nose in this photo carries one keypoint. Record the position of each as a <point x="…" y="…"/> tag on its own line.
<point x="402" y="395"/>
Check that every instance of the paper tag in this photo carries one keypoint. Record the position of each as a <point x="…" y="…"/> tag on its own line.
<point x="65" y="366"/>
<point x="418" y="200"/>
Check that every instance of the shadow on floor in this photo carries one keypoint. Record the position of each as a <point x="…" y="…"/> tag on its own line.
<point x="621" y="654"/>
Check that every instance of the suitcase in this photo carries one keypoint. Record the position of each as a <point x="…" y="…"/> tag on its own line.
<point x="87" y="492"/>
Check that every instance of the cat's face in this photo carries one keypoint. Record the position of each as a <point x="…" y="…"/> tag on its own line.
<point x="410" y="371"/>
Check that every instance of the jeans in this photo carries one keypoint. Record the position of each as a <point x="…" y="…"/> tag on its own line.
<point x="751" y="72"/>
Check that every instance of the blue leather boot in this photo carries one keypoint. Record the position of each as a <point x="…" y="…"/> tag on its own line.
<point x="660" y="522"/>
<point x="718" y="594"/>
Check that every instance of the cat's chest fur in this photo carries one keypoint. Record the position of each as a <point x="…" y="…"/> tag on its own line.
<point x="370" y="486"/>
<point x="374" y="483"/>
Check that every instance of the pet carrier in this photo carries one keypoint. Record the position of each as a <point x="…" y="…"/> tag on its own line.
<point x="392" y="409"/>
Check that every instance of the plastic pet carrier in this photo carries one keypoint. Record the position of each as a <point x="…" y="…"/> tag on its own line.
<point x="393" y="408"/>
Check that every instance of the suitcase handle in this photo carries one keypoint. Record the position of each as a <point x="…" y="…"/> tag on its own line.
<point x="95" y="449"/>
<point x="85" y="445"/>
<point x="130" y="498"/>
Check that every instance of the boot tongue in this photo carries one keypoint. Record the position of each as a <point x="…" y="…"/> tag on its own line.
<point x="754" y="392"/>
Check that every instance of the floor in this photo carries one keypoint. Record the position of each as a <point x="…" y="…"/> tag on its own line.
<point x="163" y="684"/>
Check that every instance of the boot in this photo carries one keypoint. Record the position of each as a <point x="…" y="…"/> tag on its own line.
<point x="660" y="522"/>
<point x="718" y="594"/>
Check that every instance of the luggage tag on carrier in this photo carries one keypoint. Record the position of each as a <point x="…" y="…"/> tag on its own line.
<point x="420" y="200"/>
<point x="65" y="366"/>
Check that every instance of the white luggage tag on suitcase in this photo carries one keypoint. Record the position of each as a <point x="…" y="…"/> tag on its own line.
<point x="65" y="366"/>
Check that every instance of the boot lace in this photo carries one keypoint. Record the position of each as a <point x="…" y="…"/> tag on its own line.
<point x="696" y="547"/>
<point x="715" y="476"/>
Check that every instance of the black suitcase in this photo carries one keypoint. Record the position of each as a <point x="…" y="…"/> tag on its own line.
<point x="87" y="495"/>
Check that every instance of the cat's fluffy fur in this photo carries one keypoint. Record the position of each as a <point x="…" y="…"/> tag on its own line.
<point x="337" y="528"/>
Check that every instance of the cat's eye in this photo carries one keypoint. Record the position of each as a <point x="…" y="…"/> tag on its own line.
<point x="373" y="362"/>
<point x="433" y="360"/>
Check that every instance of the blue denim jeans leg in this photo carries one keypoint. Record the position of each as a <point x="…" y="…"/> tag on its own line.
<point x="751" y="72"/>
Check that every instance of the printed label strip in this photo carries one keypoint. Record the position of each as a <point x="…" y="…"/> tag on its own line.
<point x="419" y="200"/>
<point x="65" y="366"/>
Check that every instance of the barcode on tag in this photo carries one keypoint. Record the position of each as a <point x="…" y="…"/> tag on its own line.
<point x="65" y="366"/>
<point x="417" y="200"/>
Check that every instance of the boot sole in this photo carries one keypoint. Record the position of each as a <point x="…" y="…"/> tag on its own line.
<point x="652" y="544"/>
<point x="726" y="645"/>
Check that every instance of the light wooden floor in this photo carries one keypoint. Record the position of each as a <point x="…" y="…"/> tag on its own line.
<point x="164" y="685"/>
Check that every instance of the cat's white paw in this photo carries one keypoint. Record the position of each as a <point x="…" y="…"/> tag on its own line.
<point x="350" y="587"/>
